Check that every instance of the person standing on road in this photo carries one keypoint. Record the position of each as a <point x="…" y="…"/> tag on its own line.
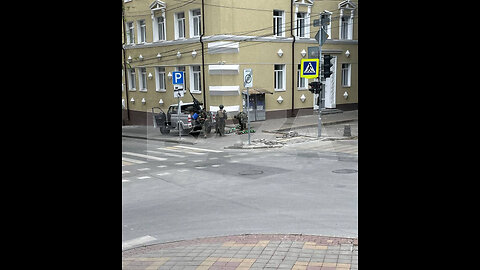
<point x="242" y="120"/>
<point x="202" y="118"/>
<point x="221" y="117"/>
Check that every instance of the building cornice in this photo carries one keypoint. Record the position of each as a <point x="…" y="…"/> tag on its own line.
<point x="237" y="38"/>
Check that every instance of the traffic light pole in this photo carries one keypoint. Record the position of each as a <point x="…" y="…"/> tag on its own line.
<point x="319" y="132"/>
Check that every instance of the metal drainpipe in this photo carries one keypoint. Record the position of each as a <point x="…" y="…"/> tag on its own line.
<point x="203" y="57"/>
<point x="124" y="61"/>
<point x="293" y="58"/>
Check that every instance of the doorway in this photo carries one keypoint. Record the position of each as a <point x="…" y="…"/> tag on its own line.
<point x="256" y="112"/>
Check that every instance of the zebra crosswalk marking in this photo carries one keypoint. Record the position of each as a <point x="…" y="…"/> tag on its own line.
<point x="178" y="150"/>
<point x="166" y="154"/>
<point x="144" y="156"/>
<point x="198" y="149"/>
<point x="133" y="160"/>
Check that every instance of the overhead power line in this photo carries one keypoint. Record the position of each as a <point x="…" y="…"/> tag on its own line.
<point x="197" y="46"/>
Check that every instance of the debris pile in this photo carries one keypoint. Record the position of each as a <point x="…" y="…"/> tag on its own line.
<point x="268" y="142"/>
<point x="290" y="134"/>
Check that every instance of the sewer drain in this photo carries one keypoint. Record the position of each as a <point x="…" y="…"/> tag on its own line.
<point x="251" y="172"/>
<point x="345" y="171"/>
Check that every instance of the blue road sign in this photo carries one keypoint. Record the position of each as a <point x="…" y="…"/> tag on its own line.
<point x="177" y="77"/>
<point x="310" y="68"/>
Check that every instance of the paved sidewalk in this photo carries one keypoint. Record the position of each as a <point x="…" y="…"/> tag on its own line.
<point x="305" y="125"/>
<point x="252" y="251"/>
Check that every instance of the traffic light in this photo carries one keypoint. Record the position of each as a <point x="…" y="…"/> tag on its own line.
<point x="315" y="87"/>
<point x="326" y="66"/>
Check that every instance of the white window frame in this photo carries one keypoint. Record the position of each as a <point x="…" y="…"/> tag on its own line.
<point x="142" y="79"/>
<point x="176" y="24"/>
<point x="159" y="26"/>
<point x="348" y="25"/>
<point x="329" y="26"/>
<point x="192" y="79"/>
<point x="299" y="28"/>
<point x="195" y="26"/>
<point x="159" y="79"/>
<point x="130" y="29"/>
<point x="276" y="19"/>
<point x="346" y="75"/>
<point x="304" y="80"/>
<point x="131" y="79"/>
<point x="279" y="76"/>
<point x="141" y="34"/>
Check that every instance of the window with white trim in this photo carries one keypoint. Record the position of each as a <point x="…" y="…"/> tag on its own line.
<point x="160" y="79"/>
<point x="195" y="23"/>
<point x="278" y="23"/>
<point x="301" y="82"/>
<point x="179" y="25"/>
<point x="279" y="77"/>
<point x="347" y="13"/>
<point x="195" y="80"/>
<point x="130" y="33"/>
<point x="142" y="34"/>
<point x="142" y="79"/>
<point x="301" y="24"/>
<point x="160" y="28"/>
<point x="346" y="75"/>
<point x="344" y="27"/>
<point x="131" y="79"/>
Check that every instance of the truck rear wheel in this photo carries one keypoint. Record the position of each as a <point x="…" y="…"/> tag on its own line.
<point x="164" y="130"/>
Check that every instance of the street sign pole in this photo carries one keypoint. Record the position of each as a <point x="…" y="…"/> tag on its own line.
<point x="178" y="118"/>
<point x="248" y="82"/>
<point x="178" y="93"/>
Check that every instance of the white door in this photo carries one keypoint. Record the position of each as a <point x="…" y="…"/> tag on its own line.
<point x="330" y="87"/>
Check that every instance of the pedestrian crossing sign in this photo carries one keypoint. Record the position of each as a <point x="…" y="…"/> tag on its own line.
<point x="309" y="68"/>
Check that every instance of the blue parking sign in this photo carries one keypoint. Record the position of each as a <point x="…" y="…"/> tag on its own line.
<point x="177" y="77"/>
<point x="310" y="68"/>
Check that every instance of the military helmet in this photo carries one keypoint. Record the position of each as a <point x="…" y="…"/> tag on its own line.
<point x="221" y="106"/>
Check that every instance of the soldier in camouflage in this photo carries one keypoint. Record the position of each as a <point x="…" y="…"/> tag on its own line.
<point x="220" y="118"/>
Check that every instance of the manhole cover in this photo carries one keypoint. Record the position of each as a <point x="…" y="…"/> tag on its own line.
<point x="251" y="172"/>
<point x="345" y="171"/>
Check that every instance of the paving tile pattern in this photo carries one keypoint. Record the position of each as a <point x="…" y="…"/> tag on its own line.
<point x="242" y="252"/>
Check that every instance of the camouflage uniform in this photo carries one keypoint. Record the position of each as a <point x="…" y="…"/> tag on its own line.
<point x="203" y="121"/>
<point x="242" y="120"/>
<point x="220" y="118"/>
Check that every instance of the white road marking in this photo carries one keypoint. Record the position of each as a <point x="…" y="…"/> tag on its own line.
<point x="125" y="180"/>
<point x="144" y="156"/>
<point x="216" y="165"/>
<point x="166" y="154"/>
<point x="181" y="151"/>
<point x="180" y="163"/>
<point x="143" y="169"/>
<point x="183" y="170"/>
<point x="137" y="241"/>
<point x="161" y="166"/>
<point x="133" y="160"/>
<point x="123" y="172"/>
<point x="199" y="149"/>
<point x="163" y="174"/>
<point x="143" y="177"/>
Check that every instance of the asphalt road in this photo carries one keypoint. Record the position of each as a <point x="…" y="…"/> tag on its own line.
<point x="174" y="192"/>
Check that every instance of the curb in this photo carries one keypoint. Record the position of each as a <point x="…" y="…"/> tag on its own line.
<point x="310" y="125"/>
<point x="157" y="139"/>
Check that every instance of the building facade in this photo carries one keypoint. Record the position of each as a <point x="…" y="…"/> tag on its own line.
<point x="213" y="41"/>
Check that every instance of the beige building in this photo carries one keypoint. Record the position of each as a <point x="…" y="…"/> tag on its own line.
<point x="213" y="41"/>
